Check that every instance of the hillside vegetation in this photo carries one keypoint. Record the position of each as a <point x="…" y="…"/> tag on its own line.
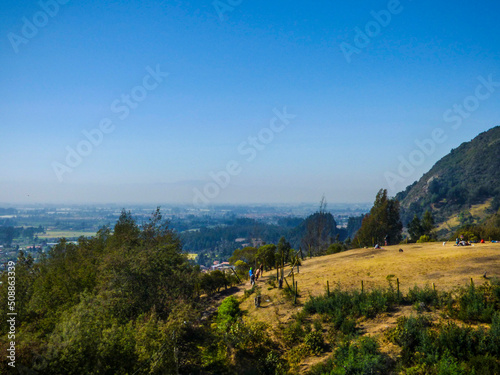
<point x="469" y="175"/>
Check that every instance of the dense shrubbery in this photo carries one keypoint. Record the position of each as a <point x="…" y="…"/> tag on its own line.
<point x="477" y="304"/>
<point x="352" y="304"/>
<point x="426" y="348"/>
<point x="127" y="301"/>
<point x="429" y="349"/>
<point x="354" y="357"/>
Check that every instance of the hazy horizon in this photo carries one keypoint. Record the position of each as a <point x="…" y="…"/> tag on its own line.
<point x="202" y="103"/>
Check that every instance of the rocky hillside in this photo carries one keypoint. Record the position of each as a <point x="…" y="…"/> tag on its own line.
<point x="469" y="176"/>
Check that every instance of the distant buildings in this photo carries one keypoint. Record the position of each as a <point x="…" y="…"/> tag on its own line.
<point x="221" y="266"/>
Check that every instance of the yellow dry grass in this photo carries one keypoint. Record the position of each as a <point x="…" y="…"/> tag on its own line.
<point x="447" y="266"/>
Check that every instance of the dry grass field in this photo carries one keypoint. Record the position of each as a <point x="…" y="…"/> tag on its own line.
<point x="447" y="266"/>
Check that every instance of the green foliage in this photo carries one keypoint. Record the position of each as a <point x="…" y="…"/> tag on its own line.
<point x="415" y="228"/>
<point x="214" y="281"/>
<point x="266" y="255"/>
<point x="476" y="303"/>
<point x="425" y="295"/>
<point x="421" y="230"/>
<point x="358" y="358"/>
<point x="86" y="307"/>
<point x="335" y="248"/>
<point x="423" y="239"/>
<point x="315" y="342"/>
<point x="318" y="231"/>
<point x="284" y="250"/>
<point x="408" y="335"/>
<point x="352" y="303"/>
<point x="447" y="348"/>
<point x="293" y="334"/>
<point x="228" y="311"/>
<point x="383" y="220"/>
<point x="466" y="176"/>
<point x="247" y="254"/>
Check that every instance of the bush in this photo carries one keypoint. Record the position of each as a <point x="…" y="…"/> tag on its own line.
<point x="334" y="248"/>
<point x="362" y="357"/>
<point x="483" y="365"/>
<point x="314" y="342"/>
<point x="475" y="304"/>
<point x="408" y="334"/>
<point x="423" y="239"/>
<point x="229" y="310"/>
<point x="342" y="304"/>
<point x="425" y="295"/>
<point x="293" y="333"/>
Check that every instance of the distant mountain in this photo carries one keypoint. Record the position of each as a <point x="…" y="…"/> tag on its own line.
<point x="467" y="178"/>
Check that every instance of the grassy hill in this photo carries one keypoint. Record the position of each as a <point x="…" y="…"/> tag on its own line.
<point x="446" y="266"/>
<point x="468" y="176"/>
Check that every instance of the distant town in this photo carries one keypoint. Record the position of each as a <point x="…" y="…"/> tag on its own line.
<point x="34" y="229"/>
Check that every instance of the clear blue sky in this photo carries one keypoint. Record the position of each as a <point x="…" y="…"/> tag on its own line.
<point x="354" y="121"/>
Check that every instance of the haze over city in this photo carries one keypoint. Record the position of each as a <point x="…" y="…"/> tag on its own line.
<point x="238" y="102"/>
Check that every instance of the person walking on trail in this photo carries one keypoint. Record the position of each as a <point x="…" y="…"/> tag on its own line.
<point x="257" y="274"/>
<point x="252" y="276"/>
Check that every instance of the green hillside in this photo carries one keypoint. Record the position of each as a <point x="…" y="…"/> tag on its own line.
<point x="466" y="178"/>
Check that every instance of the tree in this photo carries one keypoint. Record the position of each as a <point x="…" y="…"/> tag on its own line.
<point x="383" y="220"/>
<point x="319" y="230"/>
<point x="353" y="225"/>
<point x="284" y="249"/>
<point x="267" y="255"/>
<point x="427" y="223"/>
<point x="415" y="228"/>
<point x="247" y="254"/>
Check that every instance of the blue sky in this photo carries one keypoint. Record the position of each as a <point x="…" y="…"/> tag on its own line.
<point x="354" y="119"/>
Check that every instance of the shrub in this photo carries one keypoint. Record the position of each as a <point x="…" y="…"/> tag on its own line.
<point x="474" y="305"/>
<point x="229" y="310"/>
<point x="296" y="354"/>
<point x="408" y="334"/>
<point x="354" y="303"/>
<point x="483" y="365"/>
<point x="334" y="248"/>
<point x="314" y="342"/>
<point x="423" y="239"/>
<point x="425" y="295"/>
<point x="293" y="334"/>
<point x="362" y="357"/>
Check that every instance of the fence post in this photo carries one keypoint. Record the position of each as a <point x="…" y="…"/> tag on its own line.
<point x="433" y="287"/>
<point x="397" y="280"/>
<point x="327" y="288"/>
<point x="362" y="287"/>
<point x="296" y="291"/>
<point x="471" y="282"/>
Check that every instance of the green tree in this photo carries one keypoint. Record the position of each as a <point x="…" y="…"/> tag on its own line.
<point x="428" y="223"/>
<point x="247" y="254"/>
<point x="383" y="220"/>
<point x="267" y="255"/>
<point x="284" y="249"/>
<point x="415" y="228"/>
